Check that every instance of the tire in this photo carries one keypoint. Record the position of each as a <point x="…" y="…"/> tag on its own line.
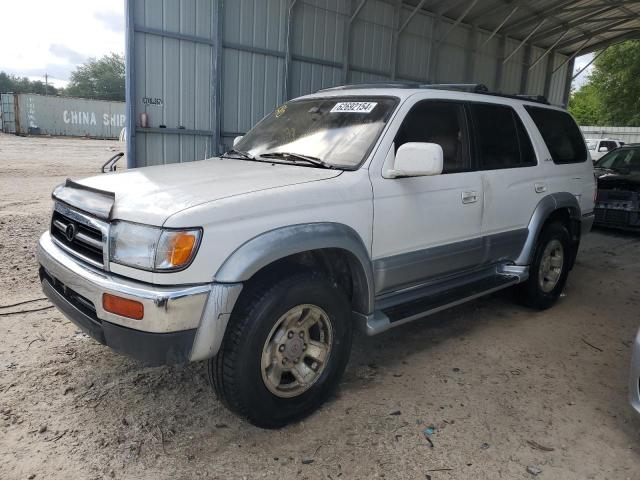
<point x="543" y="288"/>
<point x="266" y="311"/>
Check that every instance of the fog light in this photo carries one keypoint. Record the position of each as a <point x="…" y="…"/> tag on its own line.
<point x="122" y="306"/>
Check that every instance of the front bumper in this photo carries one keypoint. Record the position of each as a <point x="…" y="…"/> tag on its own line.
<point x="180" y="323"/>
<point x="634" y="378"/>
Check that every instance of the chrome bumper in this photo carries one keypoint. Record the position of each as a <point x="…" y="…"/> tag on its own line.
<point x="634" y="378"/>
<point x="167" y="310"/>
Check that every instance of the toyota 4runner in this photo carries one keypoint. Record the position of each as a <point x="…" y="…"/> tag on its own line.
<point x="368" y="206"/>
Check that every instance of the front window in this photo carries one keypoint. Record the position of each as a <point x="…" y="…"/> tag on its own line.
<point x="591" y="145"/>
<point x="338" y="131"/>
<point x="621" y="160"/>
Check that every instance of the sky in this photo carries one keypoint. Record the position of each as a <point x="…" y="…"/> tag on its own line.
<point x="58" y="36"/>
<point x="580" y="63"/>
<point x="43" y="36"/>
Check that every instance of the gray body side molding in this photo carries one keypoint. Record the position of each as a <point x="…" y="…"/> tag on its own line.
<point x="543" y="210"/>
<point x="276" y="244"/>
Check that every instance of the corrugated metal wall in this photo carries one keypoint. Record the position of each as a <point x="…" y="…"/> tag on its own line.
<point x="30" y="114"/>
<point x="626" y="134"/>
<point x="205" y="71"/>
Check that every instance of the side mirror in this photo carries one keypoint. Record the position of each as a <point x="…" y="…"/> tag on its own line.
<point x="603" y="149"/>
<point x="237" y="140"/>
<point x="416" y="159"/>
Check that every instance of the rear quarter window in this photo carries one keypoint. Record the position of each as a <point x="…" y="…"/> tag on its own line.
<point x="501" y="139"/>
<point x="560" y="133"/>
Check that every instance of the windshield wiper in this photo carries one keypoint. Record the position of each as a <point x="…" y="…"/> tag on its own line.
<point x="237" y="153"/>
<point x="297" y="157"/>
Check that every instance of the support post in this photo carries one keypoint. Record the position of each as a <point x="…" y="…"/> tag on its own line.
<point x="526" y="61"/>
<point x="548" y="73"/>
<point x="346" y="45"/>
<point x="567" y="85"/>
<point x="289" y="46"/>
<point x="502" y="46"/>
<point x="216" y="87"/>
<point x="434" y="48"/>
<point x="470" y="60"/>
<point x="130" y="82"/>
<point x="396" y="38"/>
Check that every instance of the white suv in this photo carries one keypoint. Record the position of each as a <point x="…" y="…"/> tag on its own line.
<point x="366" y="206"/>
<point x="599" y="147"/>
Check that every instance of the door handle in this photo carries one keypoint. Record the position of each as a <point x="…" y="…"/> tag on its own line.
<point x="469" y="197"/>
<point x="540" y="187"/>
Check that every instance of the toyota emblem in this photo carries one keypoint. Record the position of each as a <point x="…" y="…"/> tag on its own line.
<point x="70" y="232"/>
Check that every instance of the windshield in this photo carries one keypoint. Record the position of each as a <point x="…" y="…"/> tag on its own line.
<point x="621" y="159"/>
<point x="337" y="131"/>
<point x="591" y="145"/>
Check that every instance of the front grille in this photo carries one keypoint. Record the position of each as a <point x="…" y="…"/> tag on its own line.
<point x="610" y="217"/>
<point x="83" y="304"/>
<point x="78" y="237"/>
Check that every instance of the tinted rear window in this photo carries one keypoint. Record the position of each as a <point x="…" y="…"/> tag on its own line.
<point x="560" y="133"/>
<point x="501" y="139"/>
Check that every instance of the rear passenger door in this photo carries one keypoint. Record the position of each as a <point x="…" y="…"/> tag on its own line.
<point x="513" y="182"/>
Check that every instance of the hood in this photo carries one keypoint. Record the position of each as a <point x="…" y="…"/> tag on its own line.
<point x="614" y="180"/>
<point x="152" y="194"/>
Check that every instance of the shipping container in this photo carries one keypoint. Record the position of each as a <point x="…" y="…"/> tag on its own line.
<point x="30" y="114"/>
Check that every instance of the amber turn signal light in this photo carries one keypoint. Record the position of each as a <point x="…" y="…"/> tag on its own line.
<point x="181" y="247"/>
<point x="122" y="306"/>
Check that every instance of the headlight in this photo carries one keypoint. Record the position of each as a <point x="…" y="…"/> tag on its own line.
<point x="152" y="248"/>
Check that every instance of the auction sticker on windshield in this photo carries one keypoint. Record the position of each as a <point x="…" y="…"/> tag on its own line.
<point x="354" y="107"/>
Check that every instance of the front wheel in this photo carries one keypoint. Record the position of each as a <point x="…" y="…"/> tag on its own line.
<point x="284" y="351"/>
<point x="550" y="267"/>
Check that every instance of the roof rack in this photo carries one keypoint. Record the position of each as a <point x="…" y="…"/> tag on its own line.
<point x="355" y="86"/>
<point x="459" y="87"/>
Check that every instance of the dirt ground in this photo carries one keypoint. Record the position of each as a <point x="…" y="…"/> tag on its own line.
<point x="504" y="388"/>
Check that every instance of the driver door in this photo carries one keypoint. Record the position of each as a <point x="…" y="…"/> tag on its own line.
<point x="430" y="226"/>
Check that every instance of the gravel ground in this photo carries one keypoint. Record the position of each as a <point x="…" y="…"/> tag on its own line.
<point x="504" y="389"/>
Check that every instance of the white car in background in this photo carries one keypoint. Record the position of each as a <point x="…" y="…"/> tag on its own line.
<point x="598" y="147"/>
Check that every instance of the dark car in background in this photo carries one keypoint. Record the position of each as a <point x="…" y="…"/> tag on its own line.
<point x="618" y="200"/>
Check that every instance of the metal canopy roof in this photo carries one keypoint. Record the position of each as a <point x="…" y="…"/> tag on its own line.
<point x="567" y="26"/>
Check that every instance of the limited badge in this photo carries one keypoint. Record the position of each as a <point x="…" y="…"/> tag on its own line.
<point x="280" y="111"/>
<point x="354" y="107"/>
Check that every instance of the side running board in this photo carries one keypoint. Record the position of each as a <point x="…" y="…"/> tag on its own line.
<point x="433" y="299"/>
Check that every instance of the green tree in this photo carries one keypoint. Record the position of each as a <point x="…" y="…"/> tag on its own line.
<point x="101" y="78"/>
<point x="611" y="95"/>
<point x="15" y="84"/>
<point x="586" y="106"/>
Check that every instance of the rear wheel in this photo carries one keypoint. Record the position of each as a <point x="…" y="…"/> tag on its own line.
<point x="550" y="267"/>
<point x="284" y="350"/>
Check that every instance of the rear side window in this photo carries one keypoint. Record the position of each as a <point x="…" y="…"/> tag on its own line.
<point x="560" y="133"/>
<point x="501" y="139"/>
